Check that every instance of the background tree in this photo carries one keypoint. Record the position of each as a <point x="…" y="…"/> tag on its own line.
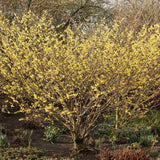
<point x="64" y="13"/>
<point x="137" y="13"/>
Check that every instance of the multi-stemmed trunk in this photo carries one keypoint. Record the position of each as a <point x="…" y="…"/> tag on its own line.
<point x="80" y="142"/>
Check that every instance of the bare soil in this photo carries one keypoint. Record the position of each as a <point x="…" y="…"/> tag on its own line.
<point x="62" y="148"/>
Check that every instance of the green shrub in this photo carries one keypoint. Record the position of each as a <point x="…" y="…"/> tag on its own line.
<point x="152" y="119"/>
<point x="147" y="140"/>
<point x="153" y="153"/>
<point x="3" y="139"/>
<point x="135" y="145"/>
<point x="129" y="135"/>
<point x="52" y="133"/>
<point x="141" y="135"/>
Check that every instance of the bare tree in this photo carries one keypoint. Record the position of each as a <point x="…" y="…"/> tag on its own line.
<point x="64" y="13"/>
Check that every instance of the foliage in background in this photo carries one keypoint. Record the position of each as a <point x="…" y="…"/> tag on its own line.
<point x="73" y="80"/>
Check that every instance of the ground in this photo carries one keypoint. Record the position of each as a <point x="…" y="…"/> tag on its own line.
<point x="61" y="148"/>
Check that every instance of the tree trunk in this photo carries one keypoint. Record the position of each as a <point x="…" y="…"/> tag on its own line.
<point x="79" y="142"/>
<point x="117" y="118"/>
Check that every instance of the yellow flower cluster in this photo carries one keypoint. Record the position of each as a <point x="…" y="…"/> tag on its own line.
<point x="74" y="78"/>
